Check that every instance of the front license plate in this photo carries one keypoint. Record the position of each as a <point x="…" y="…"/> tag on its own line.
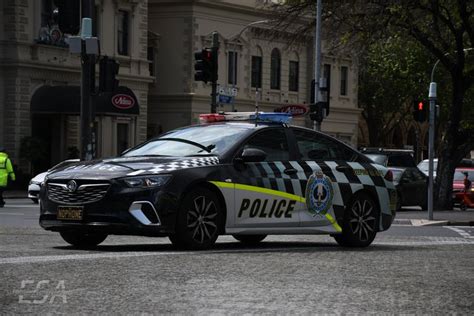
<point x="73" y="213"/>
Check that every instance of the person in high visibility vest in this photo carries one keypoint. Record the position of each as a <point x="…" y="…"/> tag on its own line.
<point x="6" y="170"/>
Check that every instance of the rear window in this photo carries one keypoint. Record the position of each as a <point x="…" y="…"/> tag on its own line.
<point x="405" y="160"/>
<point x="459" y="174"/>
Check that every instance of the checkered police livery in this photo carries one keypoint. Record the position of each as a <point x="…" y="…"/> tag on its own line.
<point x="246" y="179"/>
<point x="177" y="165"/>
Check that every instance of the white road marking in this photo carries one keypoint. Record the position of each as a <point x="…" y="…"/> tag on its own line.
<point x="12" y="214"/>
<point x="22" y="205"/>
<point x="460" y="231"/>
<point x="432" y="241"/>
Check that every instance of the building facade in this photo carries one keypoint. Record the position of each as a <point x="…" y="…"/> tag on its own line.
<point x="154" y="41"/>
<point x="40" y="78"/>
<point x="250" y="57"/>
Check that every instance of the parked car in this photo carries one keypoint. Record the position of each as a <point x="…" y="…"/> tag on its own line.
<point x="411" y="185"/>
<point x="394" y="157"/>
<point x="410" y="182"/>
<point x="37" y="181"/>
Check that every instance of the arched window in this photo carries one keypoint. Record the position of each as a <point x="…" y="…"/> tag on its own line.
<point x="294" y="72"/>
<point x="275" y="69"/>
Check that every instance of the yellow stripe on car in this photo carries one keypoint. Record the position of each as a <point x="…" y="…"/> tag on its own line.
<point x="285" y="195"/>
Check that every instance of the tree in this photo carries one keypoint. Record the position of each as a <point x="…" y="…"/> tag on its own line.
<point x="444" y="28"/>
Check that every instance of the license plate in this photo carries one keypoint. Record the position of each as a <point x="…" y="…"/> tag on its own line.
<point x="73" y="213"/>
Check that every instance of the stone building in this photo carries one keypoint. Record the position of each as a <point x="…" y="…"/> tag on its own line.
<point x="285" y="71"/>
<point x="154" y="41"/>
<point x="40" y="78"/>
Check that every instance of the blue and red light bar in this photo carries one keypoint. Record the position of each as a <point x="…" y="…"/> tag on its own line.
<point x="264" y="117"/>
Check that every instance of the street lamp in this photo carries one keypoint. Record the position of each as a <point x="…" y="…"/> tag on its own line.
<point x="234" y="64"/>
<point x="432" y="97"/>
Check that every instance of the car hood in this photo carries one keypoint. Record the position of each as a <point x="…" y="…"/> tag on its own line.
<point x="106" y="169"/>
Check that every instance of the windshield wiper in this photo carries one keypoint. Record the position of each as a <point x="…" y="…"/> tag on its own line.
<point x="190" y="142"/>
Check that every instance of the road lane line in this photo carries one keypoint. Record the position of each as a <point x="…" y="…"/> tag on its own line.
<point x="460" y="231"/>
<point x="12" y="214"/>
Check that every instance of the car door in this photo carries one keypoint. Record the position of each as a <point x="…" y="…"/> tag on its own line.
<point x="324" y="166"/>
<point x="264" y="190"/>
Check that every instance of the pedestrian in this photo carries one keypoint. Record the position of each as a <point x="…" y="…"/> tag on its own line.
<point x="6" y="170"/>
<point x="467" y="182"/>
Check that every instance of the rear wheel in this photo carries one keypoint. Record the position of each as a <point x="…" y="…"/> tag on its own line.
<point x="249" y="239"/>
<point x="34" y="200"/>
<point x="199" y="220"/>
<point x="83" y="240"/>
<point x="359" y="227"/>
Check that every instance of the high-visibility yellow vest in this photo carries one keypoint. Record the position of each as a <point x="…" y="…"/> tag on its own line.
<point x="6" y="169"/>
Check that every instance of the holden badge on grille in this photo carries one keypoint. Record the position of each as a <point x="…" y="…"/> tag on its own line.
<point x="72" y="186"/>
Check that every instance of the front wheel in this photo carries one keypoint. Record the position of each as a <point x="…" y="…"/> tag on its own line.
<point x="249" y="239"/>
<point x="359" y="227"/>
<point x="83" y="240"/>
<point x="199" y="220"/>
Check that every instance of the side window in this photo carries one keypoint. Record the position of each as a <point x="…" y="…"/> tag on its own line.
<point x="273" y="142"/>
<point x="313" y="146"/>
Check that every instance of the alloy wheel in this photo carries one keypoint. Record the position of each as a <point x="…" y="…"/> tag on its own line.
<point x="362" y="222"/>
<point x="202" y="219"/>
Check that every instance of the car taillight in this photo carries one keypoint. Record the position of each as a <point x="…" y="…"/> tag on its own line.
<point x="389" y="175"/>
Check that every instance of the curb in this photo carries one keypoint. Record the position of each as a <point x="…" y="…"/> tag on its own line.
<point x="424" y="222"/>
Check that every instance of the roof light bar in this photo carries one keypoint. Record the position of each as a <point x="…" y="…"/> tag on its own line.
<point x="264" y="117"/>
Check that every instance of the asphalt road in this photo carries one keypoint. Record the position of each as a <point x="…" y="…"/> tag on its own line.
<point x="407" y="270"/>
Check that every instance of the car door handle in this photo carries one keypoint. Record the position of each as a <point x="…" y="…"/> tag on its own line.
<point x="343" y="168"/>
<point x="290" y="171"/>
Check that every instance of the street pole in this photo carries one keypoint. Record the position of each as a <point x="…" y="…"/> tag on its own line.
<point x="215" y="47"/>
<point x="88" y="69"/>
<point x="432" y="97"/>
<point x="317" y="66"/>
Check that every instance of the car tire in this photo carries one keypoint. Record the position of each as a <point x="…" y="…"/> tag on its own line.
<point x="360" y="222"/>
<point x="82" y="239"/>
<point x="35" y="201"/>
<point x="249" y="240"/>
<point x="462" y="206"/>
<point x="200" y="219"/>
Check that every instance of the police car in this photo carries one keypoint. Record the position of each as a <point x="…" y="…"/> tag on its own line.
<point x="245" y="174"/>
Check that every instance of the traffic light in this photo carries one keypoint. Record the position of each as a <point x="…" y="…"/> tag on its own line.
<point x="316" y="109"/>
<point x="420" y="111"/>
<point x="206" y="65"/>
<point x="108" y="70"/>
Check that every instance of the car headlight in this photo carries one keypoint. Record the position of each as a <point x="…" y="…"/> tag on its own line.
<point x="146" y="181"/>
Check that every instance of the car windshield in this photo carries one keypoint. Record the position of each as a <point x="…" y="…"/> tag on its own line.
<point x="195" y="140"/>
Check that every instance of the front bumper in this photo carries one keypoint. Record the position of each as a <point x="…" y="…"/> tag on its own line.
<point x="122" y="211"/>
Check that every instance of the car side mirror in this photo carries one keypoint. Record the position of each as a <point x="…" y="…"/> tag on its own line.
<point x="253" y="155"/>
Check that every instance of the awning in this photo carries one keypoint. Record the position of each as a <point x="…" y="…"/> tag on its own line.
<point x="67" y="100"/>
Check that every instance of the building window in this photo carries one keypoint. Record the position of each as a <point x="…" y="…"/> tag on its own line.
<point x="151" y="59"/>
<point x="275" y="69"/>
<point x="95" y="22"/>
<point x="256" y="72"/>
<point x="122" y="33"/>
<point x="327" y="76"/>
<point x="294" y="74"/>
<point x="48" y="13"/>
<point x="232" y="68"/>
<point x="344" y="80"/>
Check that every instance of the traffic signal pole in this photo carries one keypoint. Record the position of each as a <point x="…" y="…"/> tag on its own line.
<point x="87" y="85"/>
<point x="317" y="66"/>
<point x="215" y="48"/>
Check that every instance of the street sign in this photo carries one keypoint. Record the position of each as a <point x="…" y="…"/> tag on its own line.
<point x="225" y="99"/>
<point x="228" y="91"/>
<point x="294" y="109"/>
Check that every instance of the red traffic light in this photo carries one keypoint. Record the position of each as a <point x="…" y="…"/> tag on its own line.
<point x="420" y="111"/>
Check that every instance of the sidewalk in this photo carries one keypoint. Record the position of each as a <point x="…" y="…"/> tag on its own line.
<point x="440" y="218"/>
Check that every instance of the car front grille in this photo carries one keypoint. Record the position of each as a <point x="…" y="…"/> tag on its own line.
<point x="85" y="193"/>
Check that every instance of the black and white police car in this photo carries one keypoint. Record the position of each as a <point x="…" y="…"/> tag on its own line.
<point x="234" y="174"/>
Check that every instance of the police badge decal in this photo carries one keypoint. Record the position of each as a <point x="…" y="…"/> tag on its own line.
<point x="319" y="194"/>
